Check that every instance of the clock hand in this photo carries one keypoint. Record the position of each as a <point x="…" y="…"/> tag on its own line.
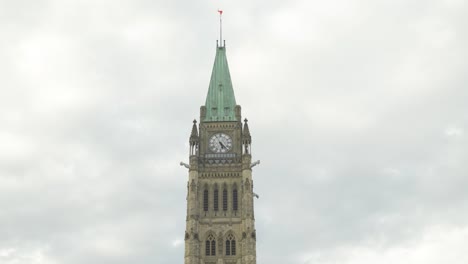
<point x="222" y="145"/>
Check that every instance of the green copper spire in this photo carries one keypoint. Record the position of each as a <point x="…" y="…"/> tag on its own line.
<point x="220" y="101"/>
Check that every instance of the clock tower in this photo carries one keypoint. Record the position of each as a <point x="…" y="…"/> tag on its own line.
<point x="220" y="224"/>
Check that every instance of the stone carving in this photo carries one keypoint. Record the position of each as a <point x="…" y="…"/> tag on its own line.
<point x="193" y="186"/>
<point x="247" y="184"/>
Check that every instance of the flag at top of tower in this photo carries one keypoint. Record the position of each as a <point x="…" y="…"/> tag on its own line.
<point x="220" y="11"/>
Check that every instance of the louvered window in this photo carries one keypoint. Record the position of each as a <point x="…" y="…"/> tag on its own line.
<point x="215" y="200"/>
<point x="205" y="200"/>
<point x="234" y="200"/>
<point x="225" y="204"/>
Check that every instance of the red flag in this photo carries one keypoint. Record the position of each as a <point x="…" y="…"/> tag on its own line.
<point x="220" y="12"/>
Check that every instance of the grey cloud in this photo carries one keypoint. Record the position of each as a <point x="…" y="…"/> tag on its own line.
<point x="349" y="107"/>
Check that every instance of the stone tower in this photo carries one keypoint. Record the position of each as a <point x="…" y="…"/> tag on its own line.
<point x="220" y="224"/>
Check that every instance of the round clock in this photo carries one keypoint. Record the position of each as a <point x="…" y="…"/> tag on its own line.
<point x="220" y="143"/>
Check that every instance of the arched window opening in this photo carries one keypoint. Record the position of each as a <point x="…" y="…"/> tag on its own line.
<point x="225" y="204"/>
<point x="215" y="200"/>
<point x="234" y="200"/>
<point x="230" y="245"/>
<point x="205" y="200"/>
<point x="210" y="246"/>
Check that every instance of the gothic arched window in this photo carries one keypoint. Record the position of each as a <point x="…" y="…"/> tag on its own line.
<point x="225" y="204"/>
<point x="205" y="200"/>
<point x="230" y="245"/>
<point x="215" y="200"/>
<point x="210" y="246"/>
<point x="234" y="199"/>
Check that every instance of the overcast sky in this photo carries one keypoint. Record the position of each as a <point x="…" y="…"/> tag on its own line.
<point x="357" y="108"/>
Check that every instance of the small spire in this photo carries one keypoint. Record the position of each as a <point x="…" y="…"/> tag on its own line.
<point x="246" y="132"/>
<point x="246" y="138"/>
<point x="194" y="134"/>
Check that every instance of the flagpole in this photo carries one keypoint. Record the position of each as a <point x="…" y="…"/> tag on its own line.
<point x="220" y="27"/>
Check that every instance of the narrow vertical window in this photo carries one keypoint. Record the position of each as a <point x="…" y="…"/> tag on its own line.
<point x="225" y="200"/>
<point x="205" y="200"/>
<point x="228" y="248"/>
<point x="233" y="247"/>
<point x="234" y="200"/>
<point x="213" y="248"/>
<point x="207" y="248"/>
<point x="215" y="200"/>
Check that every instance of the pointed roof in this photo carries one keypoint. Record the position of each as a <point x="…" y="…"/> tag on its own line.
<point x="220" y="101"/>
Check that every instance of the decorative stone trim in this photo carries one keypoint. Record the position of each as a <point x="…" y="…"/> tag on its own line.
<point x="220" y="175"/>
<point x="217" y="125"/>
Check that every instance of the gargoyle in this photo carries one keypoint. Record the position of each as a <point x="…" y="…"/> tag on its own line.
<point x="185" y="165"/>
<point x="254" y="164"/>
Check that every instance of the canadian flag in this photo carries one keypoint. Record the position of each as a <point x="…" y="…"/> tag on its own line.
<point x="220" y="11"/>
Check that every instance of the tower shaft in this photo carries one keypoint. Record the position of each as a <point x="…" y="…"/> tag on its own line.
<point x="220" y="223"/>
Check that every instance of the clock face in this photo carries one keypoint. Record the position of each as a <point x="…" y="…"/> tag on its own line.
<point x="220" y="143"/>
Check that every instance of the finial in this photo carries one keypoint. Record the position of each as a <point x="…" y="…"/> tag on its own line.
<point x="220" y="25"/>
<point x="194" y="121"/>
<point x="245" y="120"/>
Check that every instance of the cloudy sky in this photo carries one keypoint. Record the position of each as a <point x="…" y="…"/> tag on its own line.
<point x="358" y="112"/>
